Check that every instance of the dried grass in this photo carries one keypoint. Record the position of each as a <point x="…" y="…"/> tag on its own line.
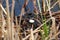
<point x="14" y="30"/>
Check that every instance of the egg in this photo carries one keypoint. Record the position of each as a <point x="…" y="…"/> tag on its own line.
<point x="31" y="21"/>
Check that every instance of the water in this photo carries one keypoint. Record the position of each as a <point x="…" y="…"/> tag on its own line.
<point x="19" y="4"/>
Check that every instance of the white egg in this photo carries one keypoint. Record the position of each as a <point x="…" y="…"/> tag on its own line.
<point x="31" y="21"/>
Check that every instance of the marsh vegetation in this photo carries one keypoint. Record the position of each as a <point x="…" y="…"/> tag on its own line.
<point x="42" y="23"/>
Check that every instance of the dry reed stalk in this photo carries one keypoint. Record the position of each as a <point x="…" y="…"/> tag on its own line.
<point x="0" y="21"/>
<point x="59" y="3"/>
<point x="16" y="29"/>
<point x="36" y="36"/>
<point x="16" y="21"/>
<point x="52" y="6"/>
<point x="23" y="11"/>
<point x="0" y="17"/>
<point x="3" y="28"/>
<point x="35" y="8"/>
<point x="40" y="10"/>
<point x="54" y="29"/>
<point x="55" y="35"/>
<point x="3" y="21"/>
<point x="3" y="9"/>
<point x="53" y="21"/>
<point x="38" y="21"/>
<point x="48" y="5"/>
<point x="12" y="16"/>
<point x="8" y="21"/>
<point x="32" y="36"/>
<point x="12" y="10"/>
<point x="26" y="2"/>
<point x="54" y="13"/>
<point x="57" y="27"/>
<point x="44" y="4"/>
<point x="53" y="25"/>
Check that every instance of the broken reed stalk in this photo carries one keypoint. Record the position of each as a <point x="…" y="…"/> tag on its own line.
<point x="3" y="9"/>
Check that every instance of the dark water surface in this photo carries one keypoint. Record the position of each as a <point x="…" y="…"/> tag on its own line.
<point x="19" y="4"/>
